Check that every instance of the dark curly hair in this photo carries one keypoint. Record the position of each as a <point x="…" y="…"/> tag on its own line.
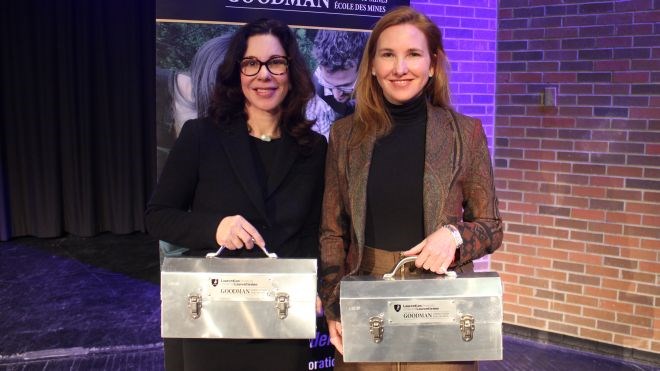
<point x="228" y="104"/>
<point x="339" y="50"/>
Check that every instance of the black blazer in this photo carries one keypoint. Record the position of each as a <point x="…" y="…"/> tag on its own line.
<point x="210" y="174"/>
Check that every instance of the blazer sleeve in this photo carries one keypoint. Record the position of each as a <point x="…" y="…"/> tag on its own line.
<point x="168" y="216"/>
<point x="335" y="233"/>
<point x="481" y="228"/>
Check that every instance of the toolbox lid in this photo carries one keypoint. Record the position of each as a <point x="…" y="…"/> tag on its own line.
<point x="478" y="284"/>
<point x="235" y="265"/>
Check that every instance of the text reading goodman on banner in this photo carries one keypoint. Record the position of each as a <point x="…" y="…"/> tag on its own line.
<point x="347" y="14"/>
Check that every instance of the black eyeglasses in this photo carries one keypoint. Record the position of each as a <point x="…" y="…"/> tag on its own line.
<point x="345" y="89"/>
<point x="277" y="65"/>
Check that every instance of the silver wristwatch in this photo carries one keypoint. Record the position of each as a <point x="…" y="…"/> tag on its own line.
<point x="456" y="234"/>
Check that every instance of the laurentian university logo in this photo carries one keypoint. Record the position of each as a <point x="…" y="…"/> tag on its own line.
<point x="214" y="282"/>
<point x="397" y="307"/>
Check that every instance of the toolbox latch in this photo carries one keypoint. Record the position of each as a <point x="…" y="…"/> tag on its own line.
<point x="376" y="328"/>
<point x="195" y="305"/>
<point x="467" y="326"/>
<point x="282" y="304"/>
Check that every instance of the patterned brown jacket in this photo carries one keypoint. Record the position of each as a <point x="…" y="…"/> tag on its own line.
<point x="458" y="189"/>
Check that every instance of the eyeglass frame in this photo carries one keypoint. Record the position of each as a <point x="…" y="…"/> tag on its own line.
<point x="261" y="64"/>
<point x="345" y="90"/>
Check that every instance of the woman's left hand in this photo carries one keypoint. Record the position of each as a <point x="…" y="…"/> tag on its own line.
<point x="435" y="252"/>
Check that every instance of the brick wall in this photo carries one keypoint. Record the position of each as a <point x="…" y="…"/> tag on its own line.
<point x="579" y="182"/>
<point x="469" y="30"/>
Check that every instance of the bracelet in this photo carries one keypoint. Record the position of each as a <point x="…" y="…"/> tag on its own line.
<point x="456" y="234"/>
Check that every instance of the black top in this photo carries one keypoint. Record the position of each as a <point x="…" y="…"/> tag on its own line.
<point x="264" y="153"/>
<point x="395" y="213"/>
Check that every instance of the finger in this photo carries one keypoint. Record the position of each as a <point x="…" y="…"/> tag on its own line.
<point x="254" y="233"/>
<point x="245" y="238"/>
<point x="445" y="265"/>
<point x="446" y="258"/>
<point x="430" y="258"/>
<point x="319" y="307"/>
<point x="339" y="345"/>
<point x="415" y="249"/>
<point x="433" y="263"/>
<point x="238" y="244"/>
<point x="227" y="243"/>
<point x="422" y="257"/>
<point x="336" y="338"/>
<point x="249" y="244"/>
<point x="332" y="329"/>
<point x="428" y="263"/>
<point x="222" y="232"/>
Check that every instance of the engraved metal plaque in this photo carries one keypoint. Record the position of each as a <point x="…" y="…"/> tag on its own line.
<point x="240" y="287"/>
<point x="418" y="312"/>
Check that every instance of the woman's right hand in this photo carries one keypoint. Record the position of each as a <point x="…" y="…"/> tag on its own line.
<point x="234" y="232"/>
<point x="335" y="333"/>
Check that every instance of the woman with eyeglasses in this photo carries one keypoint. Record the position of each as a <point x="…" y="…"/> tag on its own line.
<point x="406" y="175"/>
<point x="251" y="173"/>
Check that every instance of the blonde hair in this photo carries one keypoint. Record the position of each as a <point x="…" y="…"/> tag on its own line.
<point x="372" y="118"/>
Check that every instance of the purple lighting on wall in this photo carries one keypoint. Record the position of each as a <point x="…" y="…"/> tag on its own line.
<point x="469" y="33"/>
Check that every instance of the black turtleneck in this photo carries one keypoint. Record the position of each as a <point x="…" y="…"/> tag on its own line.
<point x="395" y="212"/>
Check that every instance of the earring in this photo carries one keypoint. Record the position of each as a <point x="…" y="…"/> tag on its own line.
<point x="430" y="73"/>
<point x="373" y="73"/>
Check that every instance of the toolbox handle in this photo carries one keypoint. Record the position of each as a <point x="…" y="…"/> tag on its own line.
<point x="270" y="255"/>
<point x="390" y="276"/>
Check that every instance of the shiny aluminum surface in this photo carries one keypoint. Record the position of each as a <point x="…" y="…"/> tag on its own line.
<point x="238" y="298"/>
<point x="422" y="318"/>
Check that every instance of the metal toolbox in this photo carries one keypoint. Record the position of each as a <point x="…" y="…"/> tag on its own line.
<point x="259" y="298"/>
<point x="426" y="319"/>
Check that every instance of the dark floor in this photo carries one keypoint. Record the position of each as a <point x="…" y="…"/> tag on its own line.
<point x="93" y="304"/>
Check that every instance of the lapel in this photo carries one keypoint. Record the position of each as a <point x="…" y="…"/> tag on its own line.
<point x="286" y="156"/>
<point x="236" y="143"/>
<point x="440" y="164"/>
<point x="359" y="161"/>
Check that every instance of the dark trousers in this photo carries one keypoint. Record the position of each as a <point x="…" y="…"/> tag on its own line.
<point x="236" y="355"/>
